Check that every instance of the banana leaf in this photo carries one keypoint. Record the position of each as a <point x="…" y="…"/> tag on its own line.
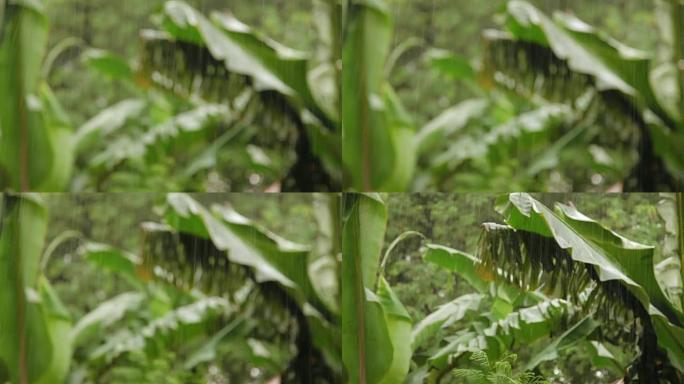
<point x="612" y="65"/>
<point x="366" y="345"/>
<point x="375" y="325"/>
<point x="622" y="269"/>
<point x="378" y="150"/>
<point x="35" y="346"/>
<point x="35" y="137"/>
<point x="237" y="54"/>
<point x="525" y="325"/>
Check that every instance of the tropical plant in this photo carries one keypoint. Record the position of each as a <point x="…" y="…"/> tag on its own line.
<point x="35" y="342"/>
<point x="225" y="104"/>
<point x="560" y="106"/>
<point x="495" y="372"/>
<point x="208" y="289"/>
<point x="547" y="282"/>
<point x="31" y="118"/>
<point x="275" y="107"/>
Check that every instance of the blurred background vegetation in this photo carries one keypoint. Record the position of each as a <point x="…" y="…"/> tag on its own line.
<point x="83" y="286"/>
<point x="457" y="25"/>
<point x="478" y="97"/>
<point x="454" y="25"/>
<point x="546" y="96"/>
<point x="115" y="26"/>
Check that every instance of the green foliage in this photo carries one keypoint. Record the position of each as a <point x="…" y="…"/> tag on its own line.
<point x="280" y="133"/>
<point x="555" y="287"/>
<point x="31" y="118"/>
<point x="35" y="341"/>
<point x="487" y="371"/>
<point x="555" y="104"/>
<point x="250" y="329"/>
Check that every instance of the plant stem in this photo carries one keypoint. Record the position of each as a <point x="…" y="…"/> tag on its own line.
<point x="24" y="184"/>
<point x="11" y="208"/>
<point x="677" y="14"/>
<point x="336" y="35"/>
<point x="680" y="235"/>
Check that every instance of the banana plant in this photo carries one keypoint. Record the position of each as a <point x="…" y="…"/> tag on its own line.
<point x="569" y="255"/>
<point x="378" y="150"/>
<point x="35" y="133"/>
<point x="281" y="91"/>
<point x="499" y="317"/>
<point x="35" y="342"/>
<point x="248" y="273"/>
<point x="380" y="340"/>
<point x="550" y="281"/>
<point x="223" y="84"/>
<point x="554" y="94"/>
<point x="563" y="59"/>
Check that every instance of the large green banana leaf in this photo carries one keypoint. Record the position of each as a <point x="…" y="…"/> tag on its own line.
<point x="378" y="150"/>
<point x="525" y="325"/>
<point x="35" y="137"/>
<point x="35" y="346"/>
<point x="444" y="316"/>
<point x="273" y="258"/>
<point x="611" y="64"/>
<point x="376" y="328"/>
<point x="269" y="65"/>
<point x="226" y="250"/>
<point x="613" y="258"/>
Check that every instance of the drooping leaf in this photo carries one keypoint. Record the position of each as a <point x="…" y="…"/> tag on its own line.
<point x="576" y="334"/>
<point x="443" y="317"/>
<point x="230" y="53"/>
<point x="399" y="327"/>
<point x="611" y="64"/>
<point x="104" y="315"/>
<point x="622" y="269"/>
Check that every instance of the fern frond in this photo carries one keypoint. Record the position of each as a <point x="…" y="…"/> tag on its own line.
<point x="480" y="358"/>
<point x="470" y="375"/>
